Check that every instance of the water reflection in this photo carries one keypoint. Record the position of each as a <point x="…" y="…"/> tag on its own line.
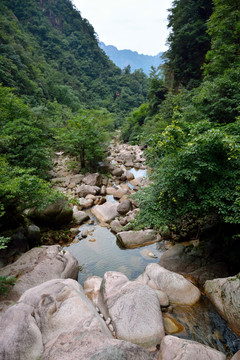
<point x="95" y="258"/>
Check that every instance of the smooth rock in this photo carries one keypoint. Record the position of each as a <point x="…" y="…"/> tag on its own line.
<point x="79" y="217"/>
<point x="134" y="310"/>
<point x="162" y="297"/>
<point x="117" y="172"/>
<point x="20" y="336"/>
<point x="93" y="179"/>
<point x="37" y="266"/>
<point x="85" y="203"/>
<point x="91" y="344"/>
<point x="55" y="214"/>
<point x="124" y="207"/>
<point x="131" y="239"/>
<point x="33" y="233"/>
<point x="91" y="288"/>
<point x="84" y="190"/>
<point x="116" y="226"/>
<point x="224" y="293"/>
<point x="171" y="326"/>
<point x="194" y="263"/>
<point x="236" y="356"/>
<point x="120" y="193"/>
<point x="105" y="212"/>
<point x="179" y="290"/>
<point x="61" y="305"/>
<point x="173" y="348"/>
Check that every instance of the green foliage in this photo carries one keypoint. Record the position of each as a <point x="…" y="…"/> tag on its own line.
<point x="188" y="42"/>
<point x="85" y="136"/>
<point x="5" y="284"/>
<point x="3" y="242"/>
<point x="20" y="189"/>
<point x="224" y="29"/>
<point x="49" y="52"/>
<point x="197" y="175"/>
<point x="219" y="100"/>
<point x="23" y="137"/>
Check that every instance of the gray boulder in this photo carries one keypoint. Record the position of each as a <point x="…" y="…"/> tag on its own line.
<point x="134" y="310"/>
<point x="20" y="336"/>
<point x="93" y="179"/>
<point x="131" y="239"/>
<point x="179" y="290"/>
<point x="195" y="263"/>
<point x="55" y="214"/>
<point x="33" y="233"/>
<point x="105" y="212"/>
<point x="173" y="348"/>
<point x="224" y="293"/>
<point x="84" y="190"/>
<point x="117" y="172"/>
<point x="60" y="305"/>
<point x="236" y="356"/>
<point x="124" y="207"/>
<point x="116" y="226"/>
<point x="79" y="217"/>
<point x="35" y="267"/>
<point x="91" y="344"/>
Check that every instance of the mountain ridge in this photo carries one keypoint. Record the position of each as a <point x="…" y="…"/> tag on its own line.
<point x="125" y="57"/>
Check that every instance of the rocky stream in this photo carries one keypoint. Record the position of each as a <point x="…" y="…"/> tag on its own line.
<point x="139" y="294"/>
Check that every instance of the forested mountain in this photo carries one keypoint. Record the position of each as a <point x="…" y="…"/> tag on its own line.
<point x="190" y="126"/>
<point x="58" y="90"/>
<point x="123" y="58"/>
<point x="49" y="52"/>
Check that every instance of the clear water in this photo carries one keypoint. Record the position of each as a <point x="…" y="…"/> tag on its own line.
<point x="202" y="323"/>
<point x="104" y="254"/>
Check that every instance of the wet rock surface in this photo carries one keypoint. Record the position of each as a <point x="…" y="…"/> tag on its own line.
<point x="224" y="293"/>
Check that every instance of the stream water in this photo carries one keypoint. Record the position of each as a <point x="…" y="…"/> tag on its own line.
<point x="100" y="252"/>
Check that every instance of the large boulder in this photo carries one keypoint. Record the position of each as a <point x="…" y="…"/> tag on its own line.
<point x="224" y="293"/>
<point x="84" y="190"/>
<point x="55" y="214"/>
<point x="61" y="305"/>
<point x="20" y="336"/>
<point x="124" y="207"/>
<point x="106" y="212"/>
<point x="116" y="226"/>
<point x="134" y="310"/>
<point x="130" y="239"/>
<point x="35" y="267"/>
<point x="203" y="267"/>
<point x="179" y="290"/>
<point x="79" y="217"/>
<point x="56" y="321"/>
<point x="92" y="345"/>
<point x="173" y="348"/>
<point x="93" y="179"/>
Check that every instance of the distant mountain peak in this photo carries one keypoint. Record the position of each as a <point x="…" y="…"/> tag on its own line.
<point x="123" y="58"/>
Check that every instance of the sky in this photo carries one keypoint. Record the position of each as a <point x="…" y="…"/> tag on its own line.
<point x="138" y="25"/>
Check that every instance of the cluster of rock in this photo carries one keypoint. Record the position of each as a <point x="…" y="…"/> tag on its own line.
<point x="53" y="318"/>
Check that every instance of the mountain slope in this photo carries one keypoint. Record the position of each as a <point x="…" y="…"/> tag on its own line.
<point x="49" y="52"/>
<point x="123" y="58"/>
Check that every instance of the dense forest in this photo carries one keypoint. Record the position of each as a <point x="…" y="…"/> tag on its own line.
<point x="190" y="126"/>
<point x="60" y="91"/>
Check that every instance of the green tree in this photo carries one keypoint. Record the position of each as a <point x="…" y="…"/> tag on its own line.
<point x="188" y="41"/>
<point x="85" y="136"/>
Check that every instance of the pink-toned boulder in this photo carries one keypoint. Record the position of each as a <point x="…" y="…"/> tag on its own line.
<point x="179" y="290"/>
<point x="35" y="267"/>
<point x="134" y="310"/>
<point x="106" y="212"/>
<point x="173" y="348"/>
<point x="224" y="293"/>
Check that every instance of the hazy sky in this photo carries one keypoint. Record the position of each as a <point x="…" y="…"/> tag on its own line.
<point x="139" y="25"/>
